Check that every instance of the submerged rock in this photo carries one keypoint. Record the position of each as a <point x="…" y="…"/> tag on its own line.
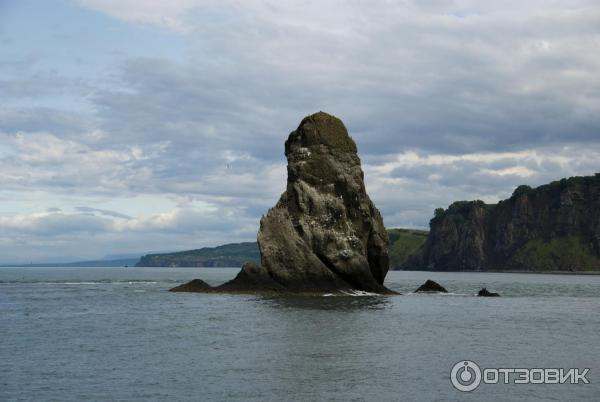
<point x="195" y="285"/>
<point x="431" y="286"/>
<point x="251" y="278"/>
<point x="486" y="293"/>
<point x="324" y="234"/>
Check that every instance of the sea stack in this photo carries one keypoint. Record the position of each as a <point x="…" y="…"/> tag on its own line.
<point x="324" y="234"/>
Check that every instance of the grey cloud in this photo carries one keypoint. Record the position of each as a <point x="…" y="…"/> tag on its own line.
<point x="104" y="212"/>
<point x="53" y="224"/>
<point x="83" y="235"/>
<point x="437" y="78"/>
<point x="44" y="119"/>
<point x="35" y="86"/>
<point x="408" y="194"/>
<point x="434" y="84"/>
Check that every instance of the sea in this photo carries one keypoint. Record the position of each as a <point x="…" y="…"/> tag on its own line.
<point x="117" y="334"/>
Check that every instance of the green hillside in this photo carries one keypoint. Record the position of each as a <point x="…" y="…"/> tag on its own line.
<point x="405" y="243"/>
<point x="228" y="255"/>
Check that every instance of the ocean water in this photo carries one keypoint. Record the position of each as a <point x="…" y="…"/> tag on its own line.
<point x="79" y="334"/>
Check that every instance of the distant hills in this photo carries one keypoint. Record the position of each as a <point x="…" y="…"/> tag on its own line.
<point x="404" y="243"/>
<point x="554" y="227"/>
<point x="227" y="255"/>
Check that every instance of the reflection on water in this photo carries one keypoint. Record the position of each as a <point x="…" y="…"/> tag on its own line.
<point x="332" y="303"/>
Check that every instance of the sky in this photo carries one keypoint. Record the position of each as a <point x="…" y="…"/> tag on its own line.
<point x="130" y="126"/>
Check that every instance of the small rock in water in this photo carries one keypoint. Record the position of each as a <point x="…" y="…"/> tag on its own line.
<point x="431" y="286"/>
<point x="486" y="293"/>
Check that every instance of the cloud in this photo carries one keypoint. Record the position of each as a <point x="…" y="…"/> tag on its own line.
<point x="169" y="14"/>
<point x="104" y="212"/>
<point x="42" y="118"/>
<point x="447" y="100"/>
<point x="47" y="161"/>
<point x="52" y="223"/>
<point x="409" y="186"/>
<point x="59" y="235"/>
<point x="402" y="78"/>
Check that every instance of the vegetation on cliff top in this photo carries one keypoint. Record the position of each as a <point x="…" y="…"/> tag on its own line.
<point x="405" y="243"/>
<point x="570" y="253"/>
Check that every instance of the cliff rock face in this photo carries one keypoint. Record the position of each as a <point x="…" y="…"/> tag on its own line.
<point x="324" y="234"/>
<point x="552" y="227"/>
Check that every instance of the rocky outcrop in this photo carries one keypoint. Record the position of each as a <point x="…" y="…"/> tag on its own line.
<point x="486" y="293"/>
<point x="251" y="278"/>
<point x="555" y="227"/>
<point x="431" y="287"/>
<point x="195" y="285"/>
<point x="324" y="234"/>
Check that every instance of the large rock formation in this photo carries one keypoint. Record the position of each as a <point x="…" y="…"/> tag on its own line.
<point x="552" y="227"/>
<point x="324" y="234"/>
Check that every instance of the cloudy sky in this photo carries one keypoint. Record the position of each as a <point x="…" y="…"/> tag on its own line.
<point x="129" y="126"/>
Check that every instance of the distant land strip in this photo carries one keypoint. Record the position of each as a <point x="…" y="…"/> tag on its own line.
<point x="404" y="243"/>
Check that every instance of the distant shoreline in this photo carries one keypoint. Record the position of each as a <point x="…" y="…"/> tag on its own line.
<point x="391" y="270"/>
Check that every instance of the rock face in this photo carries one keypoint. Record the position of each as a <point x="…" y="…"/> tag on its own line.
<point x="431" y="286"/>
<point x="324" y="234"/>
<point x="552" y="227"/>
<point x="251" y="278"/>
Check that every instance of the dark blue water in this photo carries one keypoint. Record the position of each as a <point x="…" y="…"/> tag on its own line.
<point x="116" y="334"/>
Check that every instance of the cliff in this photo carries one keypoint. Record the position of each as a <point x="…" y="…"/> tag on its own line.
<point x="554" y="227"/>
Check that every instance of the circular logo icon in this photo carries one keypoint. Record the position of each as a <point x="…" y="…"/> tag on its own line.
<point x="465" y="375"/>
